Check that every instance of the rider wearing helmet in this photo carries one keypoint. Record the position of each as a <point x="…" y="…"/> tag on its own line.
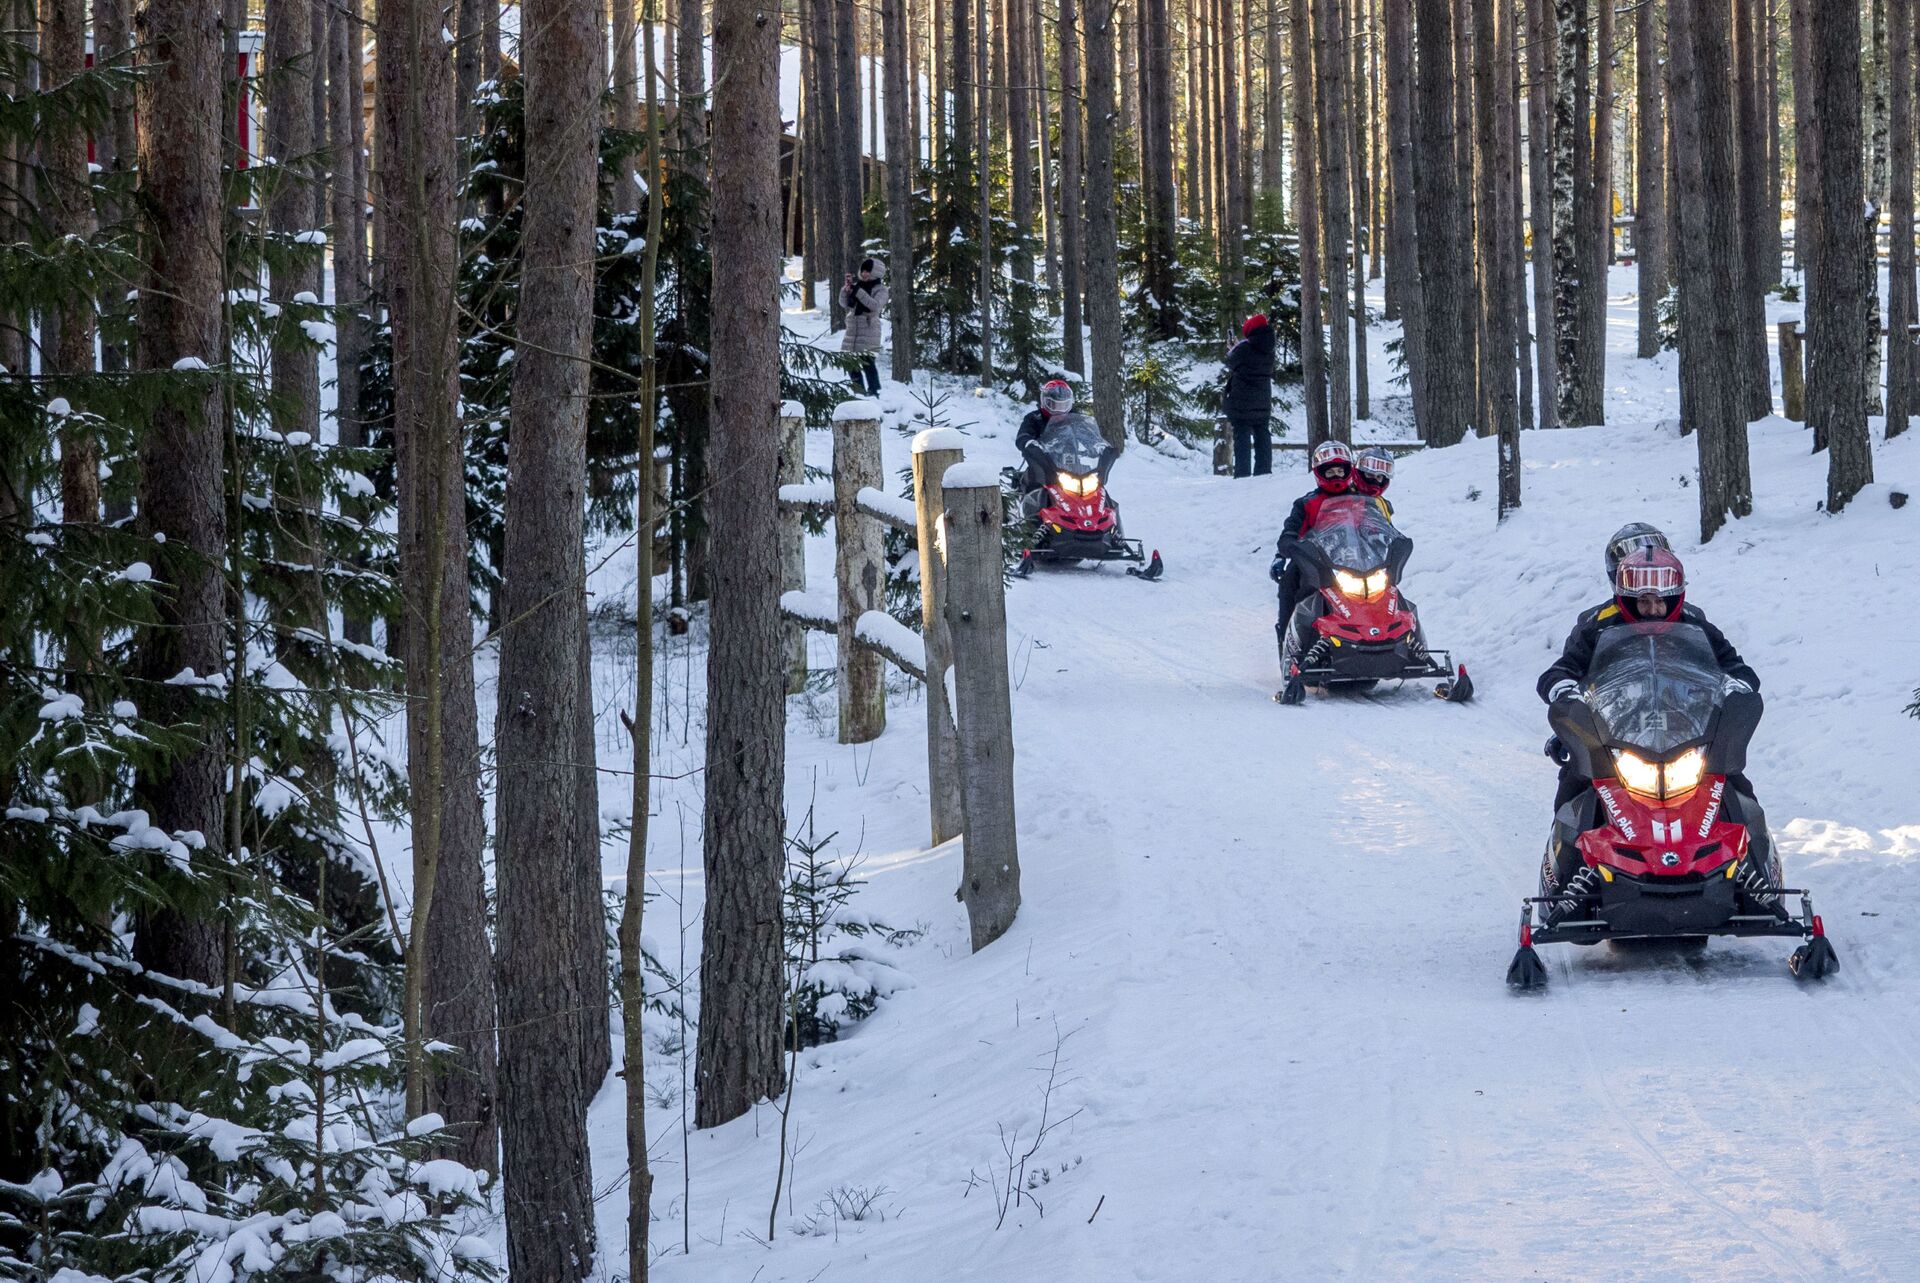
<point x="1056" y="399"/>
<point x="1373" y="473"/>
<point x="1650" y="587"/>
<point x="1632" y="537"/>
<point x="1333" y="476"/>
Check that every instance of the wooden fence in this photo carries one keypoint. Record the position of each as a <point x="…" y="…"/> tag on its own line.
<point x="959" y="652"/>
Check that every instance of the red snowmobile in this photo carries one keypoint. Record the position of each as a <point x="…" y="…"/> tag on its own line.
<point x="1667" y="844"/>
<point x="1073" y="516"/>
<point x="1357" y="628"/>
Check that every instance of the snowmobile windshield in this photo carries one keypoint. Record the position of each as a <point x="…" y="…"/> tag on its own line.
<point x="1074" y="443"/>
<point x="1354" y="533"/>
<point x="1654" y="689"/>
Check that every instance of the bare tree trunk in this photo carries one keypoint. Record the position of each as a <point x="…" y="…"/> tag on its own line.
<point x="1514" y="231"/>
<point x="291" y="59"/>
<point x="1806" y="144"/>
<point x="1754" y="214"/>
<point x="1772" y="255"/>
<point x="1711" y="382"/>
<point x="1358" y="109"/>
<point x="744" y="841"/>
<point x="900" y="153"/>
<point x="14" y="321"/>
<point x="1874" y="70"/>
<point x="845" y="132"/>
<point x="826" y="168"/>
<point x="1103" y="268"/>
<point x="1306" y="186"/>
<point x="1569" y="272"/>
<point x="626" y="98"/>
<point x="469" y="57"/>
<point x="1597" y="243"/>
<point x="1650" y="175"/>
<point x="1156" y="142"/>
<point x="182" y="460"/>
<point x="1463" y="267"/>
<point x="1234" y="239"/>
<point x="689" y="80"/>
<point x="1273" y="130"/>
<point x="1330" y="79"/>
<point x="1837" y="291"/>
<point x="1900" y="286"/>
<point x="1072" y="250"/>
<point x="1020" y="79"/>
<point x="66" y="193"/>
<point x="1542" y="41"/>
<point x="449" y="971"/>
<point x="350" y="285"/>
<point x="1049" y="205"/>
<point x="983" y="177"/>
<point x="1495" y="198"/>
<point x="1404" y="283"/>
<point x="1450" y="381"/>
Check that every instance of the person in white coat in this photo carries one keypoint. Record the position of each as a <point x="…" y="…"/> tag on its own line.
<point x="865" y="298"/>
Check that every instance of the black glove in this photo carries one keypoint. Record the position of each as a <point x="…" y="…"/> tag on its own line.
<point x="1557" y="751"/>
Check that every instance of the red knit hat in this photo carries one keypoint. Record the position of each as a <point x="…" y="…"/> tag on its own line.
<point x="1254" y="322"/>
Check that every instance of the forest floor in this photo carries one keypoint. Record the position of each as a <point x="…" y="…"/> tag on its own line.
<point x="1251" y="1021"/>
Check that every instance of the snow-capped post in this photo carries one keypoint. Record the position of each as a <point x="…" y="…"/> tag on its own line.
<point x="1793" y="377"/>
<point x="793" y="536"/>
<point x="860" y="564"/>
<point x="976" y="614"/>
<point x="934" y="451"/>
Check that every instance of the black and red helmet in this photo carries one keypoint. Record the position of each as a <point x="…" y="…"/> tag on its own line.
<point x="1056" y="397"/>
<point x="1333" y="466"/>
<point x="1651" y="585"/>
<point x="1373" y="471"/>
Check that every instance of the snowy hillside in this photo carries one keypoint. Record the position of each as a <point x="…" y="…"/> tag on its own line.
<point x="1261" y="949"/>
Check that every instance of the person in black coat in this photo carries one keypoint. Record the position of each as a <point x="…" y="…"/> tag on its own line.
<point x="1247" y="402"/>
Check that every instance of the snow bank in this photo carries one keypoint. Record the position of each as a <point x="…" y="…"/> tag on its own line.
<point x="939" y="439"/>
<point x="894" y="639"/>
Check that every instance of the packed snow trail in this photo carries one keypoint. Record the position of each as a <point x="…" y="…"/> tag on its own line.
<point x="1269" y="943"/>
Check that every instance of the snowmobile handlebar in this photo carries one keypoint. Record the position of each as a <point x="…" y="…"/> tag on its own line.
<point x="1576" y="726"/>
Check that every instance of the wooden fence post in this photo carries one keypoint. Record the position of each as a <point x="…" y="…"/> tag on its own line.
<point x="860" y="568"/>
<point x="977" y="623"/>
<point x="934" y="451"/>
<point x="793" y="536"/>
<point x="1793" y="375"/>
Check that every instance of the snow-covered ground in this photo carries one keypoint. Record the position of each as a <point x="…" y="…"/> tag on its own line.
<point x="1261" y="949"/>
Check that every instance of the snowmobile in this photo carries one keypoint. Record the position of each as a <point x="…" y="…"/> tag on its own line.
<point x="1357" y="629"/>
<point x="1665" y="845"/>
<point x="1073" y="516"/>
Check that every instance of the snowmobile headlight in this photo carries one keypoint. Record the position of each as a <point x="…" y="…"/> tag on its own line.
<point x="1638" y="774"/>
<point x="1377" y="584"/>
<point x="1349" y="583"/>
<point x="1081" y="486"/>
<point x="1684" y="772"/>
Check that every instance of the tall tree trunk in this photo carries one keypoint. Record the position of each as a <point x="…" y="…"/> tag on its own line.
<point x="1306" y="186"/>
<point x="1569" y="272"/>
<point x="826" y="170"/>
<point x="1875" y="90"/>
<point x="1330" y="79"/>
<point x="1463" y="266"/>
<point x="1771" y="259"/>
<point x="449" y="972"/>
<point x="1650" y="174"/>
<point x="1362" y="233"/>
<point x="552" y="952"/>
<point x="1072" y="249"/>
<point x="1900" y="287"/>
<point x="1020" y="134"/>
<point x="291" y="60"/>
<point x="743" y="837"/>
<point x="1597" y="243"/>
<point x="1043" y="110"/>
<point x="1515" y="229"/>
<point x="1103" y="268"/>
<point x="1273" y="103"/>
<point x="1404" y="284"/>
<point x="1806" y="144"/>
<point x="900" y="153"/>
<point x="689" y="80"/>
<point x="1450" y="382"/>
<point x="1542" y="43"/>
<point x="845" y="132"/>
<point x="983" y="179"/>
<point x="350" y="285"/>
<point x="1701" y="65"/>
<point x="1156" y="53"/>
<point x="626" y="98"/>
<point x="67" y="195"/>
<point x="182" y="461"/>
<point x="1495" y="243"/>
<point x="1234" y="239"/>
<point x="1754" y="214"/>
<point x="1837" y="293"/>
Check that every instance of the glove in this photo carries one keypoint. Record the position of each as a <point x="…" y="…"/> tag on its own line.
<point x="1565" y="688"/>
<point x="1556" y="751"/>
<point x="1736" y="686"/>
<point x="1278" y="569"/>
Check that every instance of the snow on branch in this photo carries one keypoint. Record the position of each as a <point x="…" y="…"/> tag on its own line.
<point x="889" y="508"/>
<point x="877" y="630"/>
